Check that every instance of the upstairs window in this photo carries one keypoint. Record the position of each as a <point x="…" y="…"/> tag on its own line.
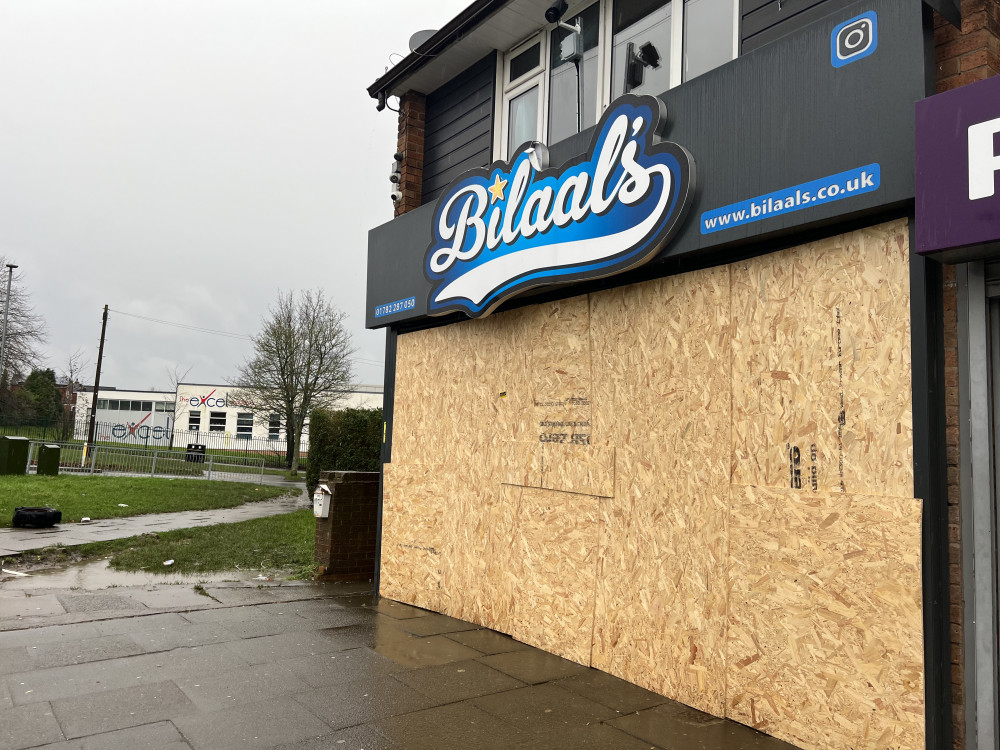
<point x="194" y="421"/>
<point x="558" y="82"/>
<point x="217" y="421"/>
<point x="523" y="82"/>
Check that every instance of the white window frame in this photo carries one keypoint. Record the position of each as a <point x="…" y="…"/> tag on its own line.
<point x="540" y="75"/>
<point x="537" y="76"/>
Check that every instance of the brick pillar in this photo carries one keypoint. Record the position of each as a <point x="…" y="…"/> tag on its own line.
<point x="963" y="56"/>
<point x="412" y="112"/>
<point x="345" y="542"/>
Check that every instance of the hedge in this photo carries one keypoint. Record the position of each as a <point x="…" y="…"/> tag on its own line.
<point x="344" y="440"/>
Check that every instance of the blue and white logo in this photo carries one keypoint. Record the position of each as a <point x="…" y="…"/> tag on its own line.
<point x="516" y="225"/>
<point x="854" y="40"/>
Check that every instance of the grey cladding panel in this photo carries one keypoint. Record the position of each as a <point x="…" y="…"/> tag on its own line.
<point x="763" y="21"/>
<point x="459" y="130"/>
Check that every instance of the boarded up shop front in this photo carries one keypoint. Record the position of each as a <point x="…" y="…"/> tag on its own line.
<point x="695" y="470"/>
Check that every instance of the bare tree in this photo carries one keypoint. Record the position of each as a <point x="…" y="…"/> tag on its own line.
<point x="175" y="377"/>
<point x="25" y="333"/>
<point x="71" y="371"/>
<point x="301" y="359"/>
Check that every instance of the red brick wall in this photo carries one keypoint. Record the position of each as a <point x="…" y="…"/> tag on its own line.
<point x="963" y="56"/>
<point x="346" y="541"/>
<point x="971" y="53"/>
<point x="410" y="143"/>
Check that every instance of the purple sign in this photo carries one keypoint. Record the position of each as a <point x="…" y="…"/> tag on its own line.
<point x="958" y="167"/>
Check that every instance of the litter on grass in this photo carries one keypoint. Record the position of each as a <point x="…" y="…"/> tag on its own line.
<point x="168" y="562"/>
<point x="16" y="573"/>
<point x="122" y="505"/>
<point x="85" y="519"/>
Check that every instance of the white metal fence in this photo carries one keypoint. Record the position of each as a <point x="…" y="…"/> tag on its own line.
<point x="125" y="461"/>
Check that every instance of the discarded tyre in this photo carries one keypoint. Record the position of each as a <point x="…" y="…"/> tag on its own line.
<point x="40" y="518"/>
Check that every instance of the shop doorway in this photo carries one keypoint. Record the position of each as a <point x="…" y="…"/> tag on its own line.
<point x="979" y="424"/>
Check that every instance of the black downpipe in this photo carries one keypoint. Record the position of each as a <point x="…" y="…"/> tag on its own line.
<point x="930" y="474"/>
<point x="388" y="402"/>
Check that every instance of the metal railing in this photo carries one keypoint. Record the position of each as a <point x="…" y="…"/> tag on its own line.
<point x="127" y="461"/>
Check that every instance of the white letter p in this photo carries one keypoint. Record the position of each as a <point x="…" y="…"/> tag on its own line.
<point x="983" y="162"/>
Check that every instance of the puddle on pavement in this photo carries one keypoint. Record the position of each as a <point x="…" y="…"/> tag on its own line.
<point x="91" y="576"/>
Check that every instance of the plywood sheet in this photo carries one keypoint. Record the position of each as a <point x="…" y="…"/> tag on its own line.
<point x="555" y="549"/>
<point x="585" y="469"/>
<point x="821" y="365"/>
<point x="825" y="636"/>
<point x="414" y="538"/>
<point x="661" y="395"/>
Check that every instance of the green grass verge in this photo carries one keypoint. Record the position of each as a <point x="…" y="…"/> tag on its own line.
<point x="277" y="542"/>
<point x="100" y="497"/>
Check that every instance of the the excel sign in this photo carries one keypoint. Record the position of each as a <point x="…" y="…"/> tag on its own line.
<point x="958" y="168"/>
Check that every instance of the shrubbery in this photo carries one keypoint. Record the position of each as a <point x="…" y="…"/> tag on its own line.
<point x="346" y="440"/>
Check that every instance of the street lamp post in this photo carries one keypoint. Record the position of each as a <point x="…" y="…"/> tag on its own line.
<point x="6" y="311"/>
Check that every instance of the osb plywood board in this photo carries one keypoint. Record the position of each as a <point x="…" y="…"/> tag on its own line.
<point x="821" y="366"/>
<point x="480" y="526"/>
<point x="555" y="553"/>
<point x="661" y="396"/>
<point x="414" y="539"/>
<point x="825" y="634"/>
<point x="585" y="469"/>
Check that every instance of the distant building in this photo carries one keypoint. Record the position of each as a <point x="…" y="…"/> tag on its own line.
<point x="195" y="413"/>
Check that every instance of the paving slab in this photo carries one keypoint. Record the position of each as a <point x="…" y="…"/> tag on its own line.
<point x="81" y="651"/>
<point x="673" y="726"/>
<point x="343" y="666"/>
<point x="284" y="646"/>
<point x="532" y="666"/>
<point x="458" y="681"/>
<point x="546" y="704"/>
<point x="120" y="709"/>
<point x="256" y="725"/>
<point x="17" y="605"/>
<point x="28" y="726"/>
<point x="487" y="641"/>
<point x="611" y="691"/>
<point x="187" y="635"/>
<point x="364" y="700"/>
<point x="254" y="684"/>
<point x="457" y="725"/>
<point x="161" y="735"/>
<point x="385" y="637"/>
<point x="363" y="737"/>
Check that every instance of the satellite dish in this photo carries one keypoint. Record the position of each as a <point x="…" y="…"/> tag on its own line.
<point x="420" y="37"/>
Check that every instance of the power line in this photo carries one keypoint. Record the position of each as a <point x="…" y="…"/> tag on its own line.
<point x="213" y="332"/>
<point x="226" y="334"/>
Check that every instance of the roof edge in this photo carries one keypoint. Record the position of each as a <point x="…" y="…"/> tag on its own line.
<point x="469" y="18"/>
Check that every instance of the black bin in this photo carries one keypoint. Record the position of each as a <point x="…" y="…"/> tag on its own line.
<point x="195" y="453"/>
<point x="48" y="460"/>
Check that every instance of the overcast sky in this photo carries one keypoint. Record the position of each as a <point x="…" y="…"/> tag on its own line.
<point x="185" y="160"/>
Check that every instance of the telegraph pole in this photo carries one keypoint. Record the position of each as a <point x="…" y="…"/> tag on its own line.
<point x="6" y="310"/>
<point x="97" y="385"/>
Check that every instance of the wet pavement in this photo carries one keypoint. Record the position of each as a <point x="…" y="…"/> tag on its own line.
<point x="302" y="665"/>
<point x="14" y="541"/>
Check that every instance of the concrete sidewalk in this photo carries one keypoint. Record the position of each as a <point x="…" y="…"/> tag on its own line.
<point x="303" y="666"/>
<point x="14" y="541"/>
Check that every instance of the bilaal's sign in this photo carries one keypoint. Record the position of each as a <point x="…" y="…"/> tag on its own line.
<point x="958" y="168"/>
<point x="520" y="224"/>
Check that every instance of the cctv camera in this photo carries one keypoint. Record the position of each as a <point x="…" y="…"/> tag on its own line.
<point x="396" y="195"/>
<point x="553" y="14"/>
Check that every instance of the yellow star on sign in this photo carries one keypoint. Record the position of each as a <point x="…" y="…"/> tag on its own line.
<point x="496" y="189"/>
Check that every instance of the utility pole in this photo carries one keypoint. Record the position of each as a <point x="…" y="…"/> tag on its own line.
<point x="97" y="386"/>
<point x="6" y="310"/>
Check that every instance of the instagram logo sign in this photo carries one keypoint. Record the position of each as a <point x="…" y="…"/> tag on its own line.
<point x="854" y="40"/>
